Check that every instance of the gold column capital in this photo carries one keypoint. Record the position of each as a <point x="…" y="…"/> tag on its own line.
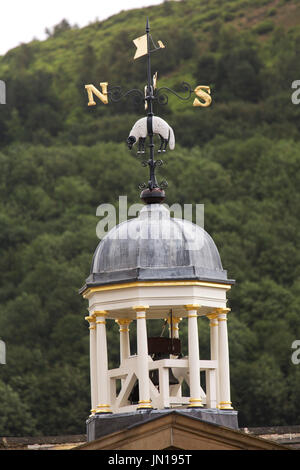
<point x="90" y="318"/>
<point x="213" y="319"/>
<point x="212" y="316"/>
<point x="219" y="311"/>
<point x="123" y="321"/>
<point x="174" y="319"/>
<point x="100" y="313"/>
<point x="123" y="324"/>
<point x="140" y="308"/>
<point x="192" y="307"/>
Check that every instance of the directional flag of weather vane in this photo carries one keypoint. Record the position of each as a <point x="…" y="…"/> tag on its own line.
<point x="141" y="44"/>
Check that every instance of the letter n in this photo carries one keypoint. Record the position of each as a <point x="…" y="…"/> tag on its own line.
<point x="92" y="90"/>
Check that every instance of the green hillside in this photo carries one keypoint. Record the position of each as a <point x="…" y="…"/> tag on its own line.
<point x="61" y="159"/>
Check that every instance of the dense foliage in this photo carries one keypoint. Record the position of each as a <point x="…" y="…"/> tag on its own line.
<point x="60" y="159"/>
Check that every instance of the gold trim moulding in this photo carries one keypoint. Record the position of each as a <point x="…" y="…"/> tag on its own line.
<point x="123" y="321"/>
<point x="103" y="409"/>
<point x="100" y="313"/>
<point x="212" y="316"/>
<point x="225" y="405"/>
<point x="90" y="319"/>
<point x="140" y="308"/>
<point x="195" y="402"/>
<point x="222" y="311"/>
<point x="144" y="404"/>
<point x="174" y="320"/>
<point x="192" y="307"/>
<point x="127" y="285"/>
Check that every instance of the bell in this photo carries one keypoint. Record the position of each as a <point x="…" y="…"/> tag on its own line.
<point x="154" y="376"/>
<point x="172" y="378"/>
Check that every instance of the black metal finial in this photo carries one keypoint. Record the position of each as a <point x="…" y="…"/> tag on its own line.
<point x="153" y="193"/>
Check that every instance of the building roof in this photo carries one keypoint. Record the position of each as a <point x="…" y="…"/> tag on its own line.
<point x="287" y="436"/>
<point x="156" y="246"/>
<point x="42" y="442"/>
<point x="178" y="431"/>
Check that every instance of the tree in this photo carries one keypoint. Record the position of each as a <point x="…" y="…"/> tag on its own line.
<point x="15" y="417"/>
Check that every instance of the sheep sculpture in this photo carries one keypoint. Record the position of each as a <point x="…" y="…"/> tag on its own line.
<point x="160" y="127"/>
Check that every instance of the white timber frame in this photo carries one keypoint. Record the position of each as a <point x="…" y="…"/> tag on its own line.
<point x="144" y="301"/>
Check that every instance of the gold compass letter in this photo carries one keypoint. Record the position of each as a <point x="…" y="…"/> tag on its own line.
<point x="204" y="95"/>
<point x="92" y="90"/>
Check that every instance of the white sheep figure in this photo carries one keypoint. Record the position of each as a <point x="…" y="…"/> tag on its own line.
<point x="139" y="133"/>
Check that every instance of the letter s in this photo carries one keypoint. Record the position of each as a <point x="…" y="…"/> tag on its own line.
<point x="199" y="91"/>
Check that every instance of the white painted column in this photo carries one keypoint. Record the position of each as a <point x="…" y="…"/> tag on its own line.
<point x="124" y="338"/>
<point x="175" y="390"/>
<point x="214" y="348"/>
<point x="142" y="358"/>
<point x="93" y="361"/>
<point x="223" y="357"/>
<point x="194" y="358"/>
<point x="103" y="405"/>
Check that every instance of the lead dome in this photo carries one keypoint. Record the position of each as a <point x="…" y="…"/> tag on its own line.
<point x="155" y="246"/>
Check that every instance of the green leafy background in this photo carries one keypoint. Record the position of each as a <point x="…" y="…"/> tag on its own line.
<point x="60" y="159"/>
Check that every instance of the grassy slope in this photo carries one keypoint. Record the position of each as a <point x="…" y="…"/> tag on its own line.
<point x="61" y="54"/>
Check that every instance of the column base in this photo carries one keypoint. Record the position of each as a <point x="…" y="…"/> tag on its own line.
<point x="195" y="403"/>
<point x="103" y="409"/>
<point x="225" y="405"/>
<point x="145" y="405"/>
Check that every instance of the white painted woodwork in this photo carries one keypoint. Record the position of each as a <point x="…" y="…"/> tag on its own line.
<point x="155" y="302"/>
<point x="103" y="405"/>
<point x="224" y="378"/>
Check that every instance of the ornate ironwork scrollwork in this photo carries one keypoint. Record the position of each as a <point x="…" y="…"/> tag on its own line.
<point x="162" y="98"/>
<point x="115" y="94"/>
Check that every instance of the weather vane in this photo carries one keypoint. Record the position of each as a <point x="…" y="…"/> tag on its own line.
<point x="149" y="125"/>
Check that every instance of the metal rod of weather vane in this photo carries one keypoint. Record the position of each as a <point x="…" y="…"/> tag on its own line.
<point x="152" y="182"/>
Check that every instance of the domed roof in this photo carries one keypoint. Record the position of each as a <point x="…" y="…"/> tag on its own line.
<point x="155" y="246"/>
